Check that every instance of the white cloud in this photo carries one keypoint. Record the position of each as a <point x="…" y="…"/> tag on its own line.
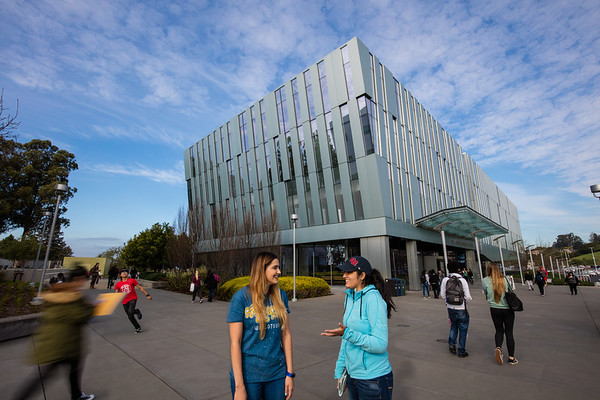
<point x="174" y="176"/>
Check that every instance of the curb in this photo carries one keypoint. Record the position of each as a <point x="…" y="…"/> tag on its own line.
<point x="16" y="327"/>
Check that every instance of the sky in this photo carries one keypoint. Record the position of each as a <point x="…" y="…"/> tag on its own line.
<point x="126" y="86"/>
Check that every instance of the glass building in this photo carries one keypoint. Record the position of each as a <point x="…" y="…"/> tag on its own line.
<point x="368" y="171"/>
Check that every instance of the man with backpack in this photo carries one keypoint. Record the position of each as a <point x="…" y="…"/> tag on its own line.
<point x="455" y="290"/>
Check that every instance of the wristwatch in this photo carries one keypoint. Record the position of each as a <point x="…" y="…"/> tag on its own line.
<point x="292" y="375"/>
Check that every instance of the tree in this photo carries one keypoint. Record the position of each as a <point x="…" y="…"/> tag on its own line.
<point x="114" y="255"/>
<point x="28" y="175"/>
<point x="8" y="123"/>
<point x="180" y="250"/>
<point x="18" y="250"/>
<point x="568" y="240"/>
<point x="594" y="238"/>
<point x="148" y="249"/>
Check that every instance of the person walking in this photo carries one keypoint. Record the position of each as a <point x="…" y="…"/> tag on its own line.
<point x="94" y="272"/>
<point x="540" y="281"/>
<point x="425" y="283"/>
<point x="529" y="279"/>
<point x="211" y="284"/>
<point x="128" y="286"/>
<point x="59" y="339"/>
<point x="364" y="332"/>
<point x="572" y="281"/>
<point x="435" y="283"/>
<point x="455" y="290"/>
<point x="113" y="275"/>
<point x="260" y="336"/>
<point x="495" y="286"/>
<point x="197" y="281"/>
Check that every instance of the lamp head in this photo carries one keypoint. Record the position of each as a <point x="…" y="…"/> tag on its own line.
<point x="595" y="189"/>
<point x="61" y="187"/>
<point x="294" y="217"/>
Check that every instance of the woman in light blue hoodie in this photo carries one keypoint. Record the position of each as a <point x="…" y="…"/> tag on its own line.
<point x="364" y="332"/>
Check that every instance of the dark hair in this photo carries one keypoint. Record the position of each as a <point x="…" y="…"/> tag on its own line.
<point x="77" y="272"/>
<point x="376" y="280"/>
<point x="453" y="266"/>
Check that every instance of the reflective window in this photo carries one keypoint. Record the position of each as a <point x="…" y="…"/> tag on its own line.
<point x="368" y="123"/>
<point x="347" y="72"/>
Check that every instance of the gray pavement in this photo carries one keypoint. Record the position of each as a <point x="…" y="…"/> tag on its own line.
<point x="183" y="351"/>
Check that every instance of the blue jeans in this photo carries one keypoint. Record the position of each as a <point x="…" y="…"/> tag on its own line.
<point x="271" y="390"/>
<point x="371" y="389"/>
<point x="459" y="325"/>
<point x="425" y="287"/>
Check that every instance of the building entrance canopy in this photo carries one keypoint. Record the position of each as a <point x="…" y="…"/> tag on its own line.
<point x="462" y="221"/>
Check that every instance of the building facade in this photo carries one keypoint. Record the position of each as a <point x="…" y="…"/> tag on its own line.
<point x="348" y="149"/>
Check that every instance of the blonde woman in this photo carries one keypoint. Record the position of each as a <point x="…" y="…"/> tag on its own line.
<point x="494" y="287"/>
<point x="259" y="330"/>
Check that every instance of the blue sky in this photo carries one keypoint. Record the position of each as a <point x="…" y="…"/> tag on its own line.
<point x="128" y="85"/>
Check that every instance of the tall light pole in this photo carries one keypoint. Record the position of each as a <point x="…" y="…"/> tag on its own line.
<point x="60" y="189"/>
<point x="294" y="218"/>
<point x="519" y="260"/>
<point x="37" y="257"/>
<point x="497" y="240"/>
<point x="594" y="257"/>
<point x="531" y="258"/>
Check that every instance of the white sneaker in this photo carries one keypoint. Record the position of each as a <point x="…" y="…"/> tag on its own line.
<point x="86" y="396"/>
<point x="201" y="300"/>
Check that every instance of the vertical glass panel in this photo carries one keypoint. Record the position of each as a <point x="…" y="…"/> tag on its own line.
<point x="347" y="72"/>
<point x="323" y="85"/>
<point x="309" y="95"/>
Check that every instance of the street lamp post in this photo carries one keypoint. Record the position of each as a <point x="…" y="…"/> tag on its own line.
<point x="531" y="258"/>
<point x="497" y="240"/>
<point x="594" y="257"/>
<point x="37" y="257"/>
<point x="595" y="189"/>
<point x="60" y="189"/>
<point x="294" y="218"/>
<point x="519" y="260"/>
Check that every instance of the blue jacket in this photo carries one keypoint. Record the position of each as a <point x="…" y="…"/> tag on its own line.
<point x="363" y="350"/>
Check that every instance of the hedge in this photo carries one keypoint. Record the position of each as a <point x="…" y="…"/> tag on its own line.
<point x="306" y="287"/>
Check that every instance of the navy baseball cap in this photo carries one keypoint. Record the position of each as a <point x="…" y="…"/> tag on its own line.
<point x="359" y="264"/>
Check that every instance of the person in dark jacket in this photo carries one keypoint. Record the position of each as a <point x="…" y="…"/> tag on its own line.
<point x="434" y="281"/>
<point x="113" y="275"/>
<point x="540" y="281"/>
<point x="572" y="281"/>
<point x="94" y="273"/>
<point x="211" y="284"/>
<point x="59" y="339"/>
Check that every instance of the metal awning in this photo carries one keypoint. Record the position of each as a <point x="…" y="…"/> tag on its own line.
<point x="462" y="221"/>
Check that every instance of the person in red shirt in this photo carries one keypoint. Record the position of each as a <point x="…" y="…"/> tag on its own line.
<point x="128" y="286"/>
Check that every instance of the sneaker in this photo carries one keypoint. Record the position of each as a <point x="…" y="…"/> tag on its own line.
<point x="138" y="330"/>
<point x="513" y="361"/>
<point x="201" y="300"/>
<point x="138" y="313"/>
<point x="463" y="355"/>
<point x="192" y="301"/>
<point x="452" y="349"/>
<point x="499" y="355"/>
<point x="86" y="396"/>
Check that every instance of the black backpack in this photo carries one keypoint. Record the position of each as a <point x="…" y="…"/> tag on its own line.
<point x="455" y="295"/>
<point x="423" y="279"/>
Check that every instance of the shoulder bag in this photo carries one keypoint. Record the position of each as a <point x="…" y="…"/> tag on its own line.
<point x="513" y="301"/>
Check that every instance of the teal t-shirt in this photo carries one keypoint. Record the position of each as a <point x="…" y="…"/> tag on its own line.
<point x="262" y="360"/>
<point x="488" y="289"/>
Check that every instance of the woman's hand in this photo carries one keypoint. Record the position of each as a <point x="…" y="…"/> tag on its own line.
<point x="240" y="393"/>
<point x="289" y="387"/>
<point x="339" y="331"/>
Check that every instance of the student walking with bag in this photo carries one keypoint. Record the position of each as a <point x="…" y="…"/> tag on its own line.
<point x="455" y="290"/>
<point x="259" y="331"/>
<point x="363" y="355"/>
<point x="495" y="285"/>
<point x="196" y="287"/>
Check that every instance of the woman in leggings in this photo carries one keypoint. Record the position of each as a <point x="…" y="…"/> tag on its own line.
<point x="494" y="287"/>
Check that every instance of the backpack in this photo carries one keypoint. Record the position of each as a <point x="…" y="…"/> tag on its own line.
<point x="455" y="295"/>
<point x="423" y="280"/>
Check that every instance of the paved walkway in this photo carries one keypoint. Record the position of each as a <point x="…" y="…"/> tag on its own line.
<point x="183" y="352"/>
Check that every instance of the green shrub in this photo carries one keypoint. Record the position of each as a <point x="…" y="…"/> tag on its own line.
<point x="153" y="276"/>
<point x="561" y="281"/>
<point x="179" y="281"/>
<point x="306" y="287"/>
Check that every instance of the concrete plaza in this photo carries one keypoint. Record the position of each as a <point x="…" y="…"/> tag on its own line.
<point x="183" y="351"/>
